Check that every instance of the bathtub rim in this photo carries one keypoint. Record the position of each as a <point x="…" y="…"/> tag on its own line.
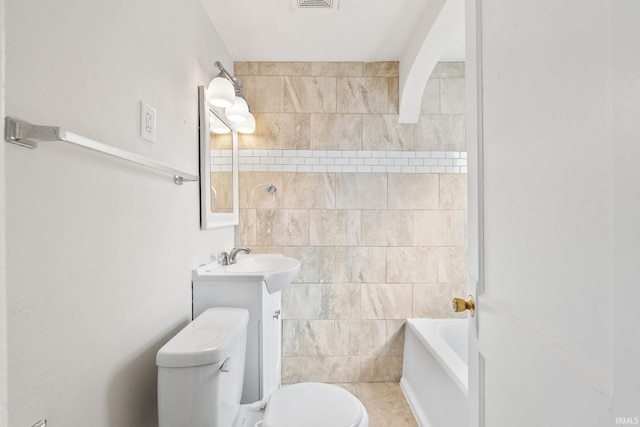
<point x="457" y="369"/>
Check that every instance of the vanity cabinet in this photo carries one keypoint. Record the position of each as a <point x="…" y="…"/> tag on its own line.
<point x="264" y="332"/>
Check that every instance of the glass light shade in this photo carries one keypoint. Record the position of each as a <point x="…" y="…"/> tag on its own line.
<point x="238" y="112"/>
<point x="221" y="92"/>
<point x="217" y="126"/>
<point x="248" y="126"/>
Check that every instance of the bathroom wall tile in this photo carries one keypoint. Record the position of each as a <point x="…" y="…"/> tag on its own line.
<point x="295" y="370"/>
<point x="309" y="190"/>
<point x="386" y="404"/>
<point x="413" y="191"/>
<point x="285" y="68"/>
<point x="222" y="196"/>
<point x="264" y="94"/>
<point x="380" y="369"/>
<point x="385" y="132"/>
<point x="431" y="98"/>
<point x="362" y="95"/>
<point x="387" y="228"/>
<point x="453" y="191"/>
<point x="334" y="301"/>
<point x="441" y="133"/>
<point x="308" y="337"/>
<point x="334" y="369"/>
<point x="248" y="181"/>
<point x="337" y="69"/>
<point x="317" y="263"/>
<point x="296" y="301"/>
<point x="448" y="70"/>
<point x="246" y="68"/>
<point x="335" y="227"/>
<point x="433" y="300"/>
<point x="249" y="141"/>
<point x="452" y="96"/>
<point x="245" y="233"/>
<point x="395" y="337"/>
<point x="359" y="264"/>
<point x="282" y="131"/>
<point x="452" y="265"/>
<point x="361" y="191"/>
<point x="336" y="132"/>
<point x="219" y="141"/>
<point x="440" y="228"/>
<point x="412" y="265"/>
<point x="360" y="337"/>
<point x="282" y="227"/>
<point x="381" y="69"/>
<point x="386" y="301"/>
<point x="394" y="95"/>
<point x="310" y="94"/>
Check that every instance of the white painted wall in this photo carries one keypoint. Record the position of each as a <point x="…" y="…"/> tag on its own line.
<point x="3" y="269"/>
<point x="99" y="252"/>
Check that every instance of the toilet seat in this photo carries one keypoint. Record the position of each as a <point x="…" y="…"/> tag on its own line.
<point x="313" y="405"/>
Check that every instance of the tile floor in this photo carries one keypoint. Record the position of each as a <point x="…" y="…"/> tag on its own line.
<point x="385" y="404"/>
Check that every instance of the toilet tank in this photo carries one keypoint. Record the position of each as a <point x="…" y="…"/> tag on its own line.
<point x="201" y="370"/>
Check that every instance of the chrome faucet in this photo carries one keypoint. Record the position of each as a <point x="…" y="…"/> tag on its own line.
<point x="234" y="252"/>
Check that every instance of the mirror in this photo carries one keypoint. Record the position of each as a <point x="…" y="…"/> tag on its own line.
<point x="218" y="167"/>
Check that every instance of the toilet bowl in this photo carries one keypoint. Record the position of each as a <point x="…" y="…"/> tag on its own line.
<point x="200" y="379"/>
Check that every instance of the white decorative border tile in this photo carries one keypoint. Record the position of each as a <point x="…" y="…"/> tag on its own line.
<point x="362" y="161"/>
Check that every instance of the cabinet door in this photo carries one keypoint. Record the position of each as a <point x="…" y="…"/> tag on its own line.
<point x="271" y="343"/>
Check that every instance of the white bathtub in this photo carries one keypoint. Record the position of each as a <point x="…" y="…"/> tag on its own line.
<point x="434" y="371"/>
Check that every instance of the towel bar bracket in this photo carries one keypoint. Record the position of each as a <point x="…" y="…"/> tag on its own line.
<point x="27" y="135"/>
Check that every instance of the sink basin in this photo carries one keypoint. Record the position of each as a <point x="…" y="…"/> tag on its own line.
<point x="277" y="271"/>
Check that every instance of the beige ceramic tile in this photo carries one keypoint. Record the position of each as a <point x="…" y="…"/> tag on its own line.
<point x="380" y="369"/>
<point x="440" y="228"/>
<point x="335" y="227"/>
<point x="412" y="265"/>
<point x="361" y="191"/>
<point x="264" y="94"/>
<point x="449" y="70"/>
<point x="336" y="132"/>
<point x="350" y="387"/>
<point x="362" y="95"/>
<point x="295" y="370"/>
<point x="386" y="405"/>
<point x="246" y="229"/>
<point x="296" y="301"/>
<point x="386" y="301"/>
<point x="360" y="337"/>
<point x="282" y="227"/>
<point x="317" y="263"/>
<point x="381" y="69"/>
<point x="453" y="191"/>
<point x="308" y="337"/>
<point x="395" y="337"/>
<point x="310" y="94"/>
<point x="309" y="190"/>
<point x="285" y="68"/>
<point x="431" y="98"/>
<point x="244" y="68"/>
<point x="360" y="264"/>
<point x="334" y="369"/>
<point x="444" y="132"/>
<point x="336" y="69"/>
<point x="221" y="141"/>
<point x="413" y="191"/>
<point x="221" y="192"/>
<point x="433" y="300"/>
<point x="385" y="132"/>
<point x="282" y="131"/>
<point x="452" y="96"/>
<point x="394" y="96"/>
<point x="248" y="141"/>
<point x="387" y="228"/>
<point x="334" y="301"/>
<point x="452" y="265"/>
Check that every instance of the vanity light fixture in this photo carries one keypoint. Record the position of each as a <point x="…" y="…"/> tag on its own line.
<point x="225" y="91"/>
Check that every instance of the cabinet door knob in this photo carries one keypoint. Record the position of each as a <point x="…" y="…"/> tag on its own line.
<point x="276" y="315"/>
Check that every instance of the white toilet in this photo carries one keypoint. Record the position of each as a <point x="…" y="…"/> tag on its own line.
<point x="200" y="378"/>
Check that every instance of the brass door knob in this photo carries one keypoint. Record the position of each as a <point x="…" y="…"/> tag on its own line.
<point x="460" y="305"/>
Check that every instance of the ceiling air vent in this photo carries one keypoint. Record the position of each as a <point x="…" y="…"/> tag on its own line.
<point x="317" y="4"/>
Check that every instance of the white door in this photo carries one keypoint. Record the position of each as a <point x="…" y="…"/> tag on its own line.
<point x="541" y="212"/>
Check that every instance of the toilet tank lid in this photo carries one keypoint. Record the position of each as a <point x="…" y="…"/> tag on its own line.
<point x="205" y="340"/>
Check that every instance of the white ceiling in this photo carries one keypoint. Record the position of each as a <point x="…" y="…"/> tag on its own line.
<point x="358" y="30"/>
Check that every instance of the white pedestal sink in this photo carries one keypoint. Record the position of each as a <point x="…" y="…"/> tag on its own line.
<point x="277" y="271"/>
